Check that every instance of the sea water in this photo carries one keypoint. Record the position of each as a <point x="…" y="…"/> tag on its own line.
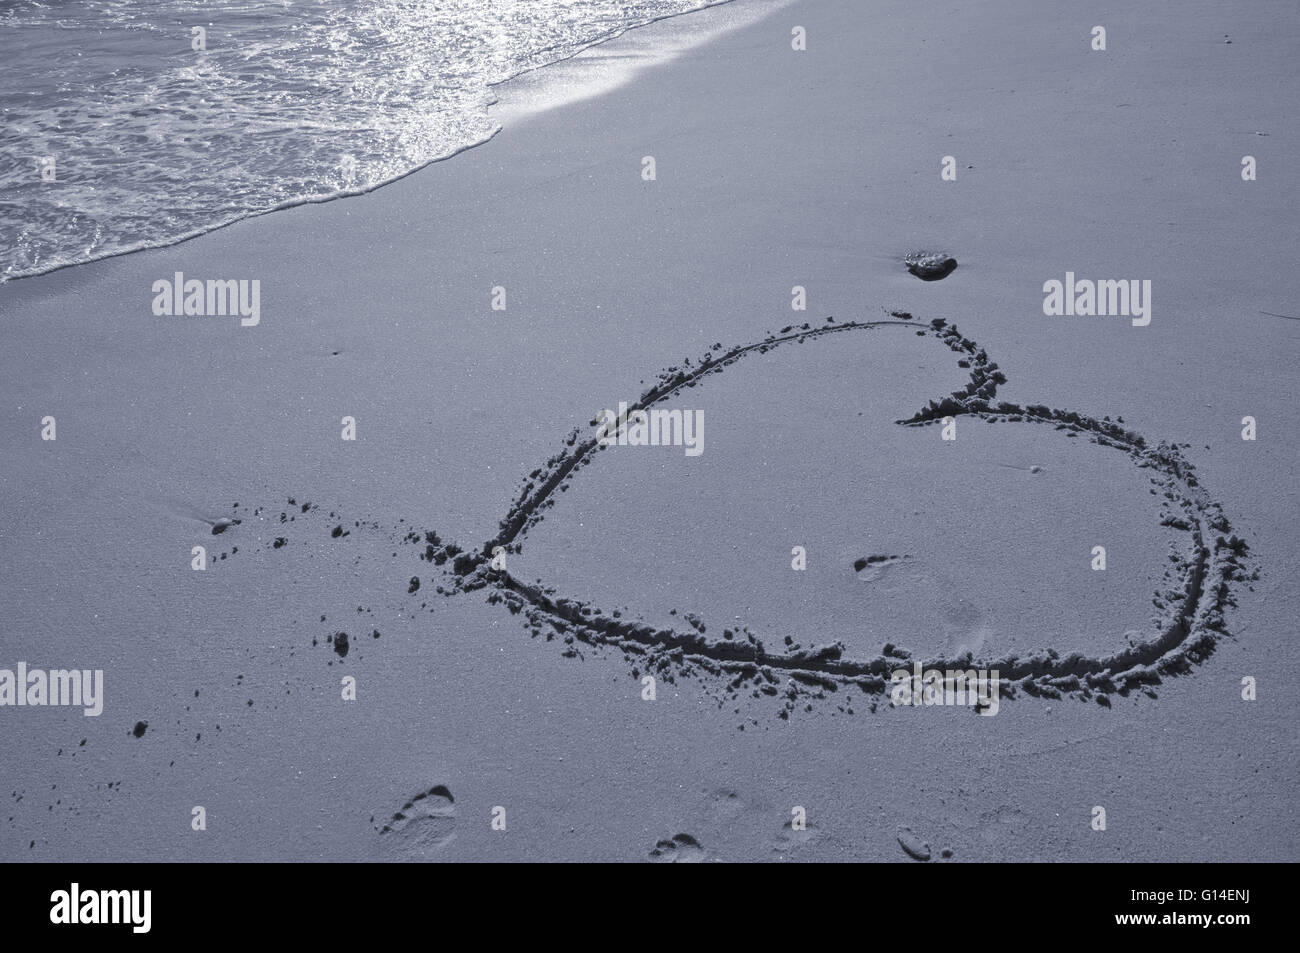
<point x="136" y="123"/>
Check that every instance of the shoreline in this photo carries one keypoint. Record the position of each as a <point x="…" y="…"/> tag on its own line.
<point x="514" y="111"/>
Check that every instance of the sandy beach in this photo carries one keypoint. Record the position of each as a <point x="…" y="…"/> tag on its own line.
<point x="471" y="320"/>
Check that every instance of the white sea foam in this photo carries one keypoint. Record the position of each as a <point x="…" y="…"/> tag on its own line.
<point x="292" y="101"/>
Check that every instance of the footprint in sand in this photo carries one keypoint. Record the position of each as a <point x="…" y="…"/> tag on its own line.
<point x="962" y="623"/>
<point x="425" y="824"/>
<point x="913" y="845"/>
<point x="681" y="849"/>
<point x="964" y="627"/>
<point x="1003" y="828"/>
<point x="789" y="840"/>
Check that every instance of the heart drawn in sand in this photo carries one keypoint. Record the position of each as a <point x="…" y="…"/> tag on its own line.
<point x="1187" y="636"/>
